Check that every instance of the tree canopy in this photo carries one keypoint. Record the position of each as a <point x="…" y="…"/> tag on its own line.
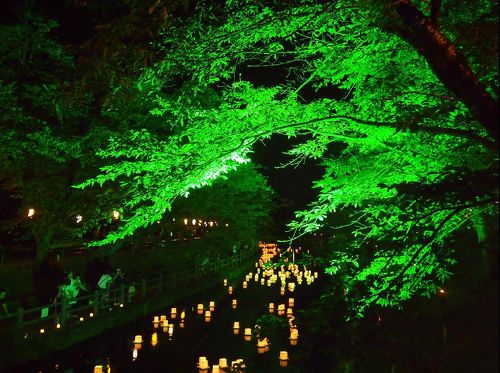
<point x="403" y="86"/>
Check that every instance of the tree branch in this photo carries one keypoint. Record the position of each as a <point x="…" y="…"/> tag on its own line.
<point x="449" y="65"/>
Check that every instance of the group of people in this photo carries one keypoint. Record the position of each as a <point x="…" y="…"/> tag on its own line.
<point x="70" y="289"/>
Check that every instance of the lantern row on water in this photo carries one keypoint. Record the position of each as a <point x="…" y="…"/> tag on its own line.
<point x="287" y="276"/>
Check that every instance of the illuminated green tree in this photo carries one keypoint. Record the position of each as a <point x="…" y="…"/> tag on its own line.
<point x="416" y="115"/>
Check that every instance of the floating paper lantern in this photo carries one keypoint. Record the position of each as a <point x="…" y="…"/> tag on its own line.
<point x="42" y="331"/>
<point x="98" y="369"/>
<point x="170" y="330"/>
<point x="283" y="358"/>
<point x="281" y="310"/>
<point x="202" y="363"/>
<point x="211" y="306"/>
<point x="225" y="282"/>
<point x="215" y="369"/>
<point x="173" y="313"/>
<point x="208" y="316"/>
<point x="230" y="290"/>
<point x="262" y="345"/>
<point x="248" y="334"/>
<point x="154" y="339"/>
<point x="282" y="291"/>
<point x="234" y="303"/>
<point x="200" y="309"/>
<point x="236" y="328"/>
<point x="289" y="312"/>
<point x="291" y="302"/>
<point x="271" y="307"/>
<point x="245" y="285"/>
<point x="138" y="342"/>
<point x="223" y="363"/>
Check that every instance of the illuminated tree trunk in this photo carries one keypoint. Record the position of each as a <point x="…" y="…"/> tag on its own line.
<point x="449" y="65"/>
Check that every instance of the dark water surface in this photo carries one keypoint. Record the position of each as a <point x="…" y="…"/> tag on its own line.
<point x="180" y="352"/>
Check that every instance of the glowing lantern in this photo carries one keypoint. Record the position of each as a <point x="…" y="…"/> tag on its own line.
<point x="211" y="223"/>
<point x="236" y="328"/>
<point x="271" y="307"/>
<point x="248" y="334"/>
<point x="185" y="221"/>
<point x="98" y="369"/>
<point x="173" y="313"/>
<point x="225" y="282"/>
<point x="222" y="363"/>
<point x="91" y="314"/>
<point x="289" y="312"/>
<point x="138" y="342"/>
<point x="42" y="331"/>
<point x="244" y="285"/>
<point x="81" y="318"/>
<point x="163" y="319"/>
<point x="79" y="218"/>
<point x="58" y="326"/>
<point x="291" y="302"/>
<point x="203" y="363"/>
<point x="262" y="345"/>
<point x="215" y="369"/>
<point x="170" y="330"/>
<point x="294" y="336"/>
<point x="193" y="221"/>
<point x="183" y="314"/>
<point x="208" y="315"/>
<point x="282" y="291"/>
<point x="230" y="290"/>
<point x="200" y="309"/>
<point x="211" y="306"/>
<point x="116" y="215"/>
<point x="315" y="274"/>
<point x="31" y="213"/>
<point x="283" y="358"/>
<point x="154" y="339"/>
<point x="281" y="310"/>
<point x="156" y="321"/>
<point x="235" y="303"/>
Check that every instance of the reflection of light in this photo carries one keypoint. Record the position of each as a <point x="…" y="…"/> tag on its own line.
<point x="31" y="213"/>
<point x="79" y="218"/>
<point x="135" y="353"/>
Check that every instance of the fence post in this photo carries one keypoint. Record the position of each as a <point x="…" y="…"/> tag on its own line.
<point x="96" y="302"/>
<point x="20" y="316"/>
<point x="143" y="288"/>
<point x="160" y="285"/>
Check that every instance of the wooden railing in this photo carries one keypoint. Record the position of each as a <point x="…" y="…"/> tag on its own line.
<point x="101" y="302"/>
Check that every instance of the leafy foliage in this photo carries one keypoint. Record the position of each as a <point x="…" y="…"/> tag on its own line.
<point x="416" y="160"/>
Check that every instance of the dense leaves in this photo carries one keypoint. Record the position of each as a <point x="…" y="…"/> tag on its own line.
<point x="416" y="148"/>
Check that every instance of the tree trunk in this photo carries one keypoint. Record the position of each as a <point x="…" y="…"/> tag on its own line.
<point x="43" y="239"/>
<point x="449" y="65"/>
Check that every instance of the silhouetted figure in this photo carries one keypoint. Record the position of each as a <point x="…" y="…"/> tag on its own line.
<point x="96" y="267"/>
<point x="47" y="277"/>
